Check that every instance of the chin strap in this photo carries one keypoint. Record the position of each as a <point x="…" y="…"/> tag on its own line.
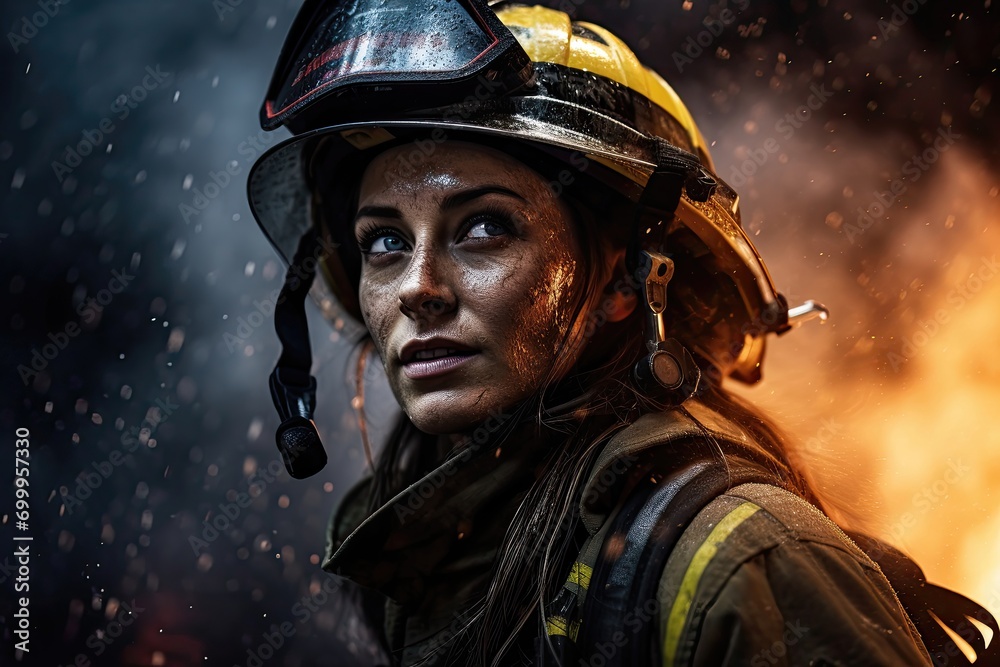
<point x="293" y="388"/>
<point x="669" y="371"/>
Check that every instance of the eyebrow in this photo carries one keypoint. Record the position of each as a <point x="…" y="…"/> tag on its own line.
<point x="451" y="201"/>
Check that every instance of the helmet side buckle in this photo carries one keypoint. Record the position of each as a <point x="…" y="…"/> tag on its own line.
<point x="669" y="370"/>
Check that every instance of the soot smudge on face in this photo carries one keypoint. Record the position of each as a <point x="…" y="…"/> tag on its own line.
<point x="510" y="296"/>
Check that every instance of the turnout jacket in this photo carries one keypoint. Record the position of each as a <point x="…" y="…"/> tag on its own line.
<point x="759" y="577"/>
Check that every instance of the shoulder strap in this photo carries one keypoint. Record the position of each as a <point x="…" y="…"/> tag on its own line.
<point x="930" y="607"/>
<point x="626" y="561"/>
<point x="630" y="559"/>
<point x="648" y="544"/>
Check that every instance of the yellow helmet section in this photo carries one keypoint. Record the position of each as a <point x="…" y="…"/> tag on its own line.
<point x="543" y="33"/>
<point x="547" y="36"/>
<point x="663" y="95"/>
<point x="619" y="62"/>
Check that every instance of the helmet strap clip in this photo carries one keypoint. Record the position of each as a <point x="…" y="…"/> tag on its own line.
<point x="669" y="370"/>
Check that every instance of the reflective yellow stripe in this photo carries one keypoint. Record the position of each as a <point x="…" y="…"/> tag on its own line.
<point x="689" y="584"/>
<point x="556" y="625"/>
<point x="580" y="575"/>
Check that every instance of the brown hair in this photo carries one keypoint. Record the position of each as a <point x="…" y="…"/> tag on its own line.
<point x="544" y="531"/>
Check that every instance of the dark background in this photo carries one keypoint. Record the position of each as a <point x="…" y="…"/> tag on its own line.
<point x="158" y="351"/>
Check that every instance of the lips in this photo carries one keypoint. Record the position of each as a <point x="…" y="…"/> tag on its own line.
<point x="428" y="349"/>
<point x="436" y="353"/>
<point x="432" y="357"/>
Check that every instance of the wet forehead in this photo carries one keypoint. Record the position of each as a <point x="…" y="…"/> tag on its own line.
<point x="405" y="173"/>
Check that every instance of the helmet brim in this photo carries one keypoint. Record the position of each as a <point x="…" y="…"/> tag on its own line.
<point x="280" y="196"/>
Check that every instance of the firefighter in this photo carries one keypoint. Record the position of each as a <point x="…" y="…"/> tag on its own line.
<point x="523" y="222"/>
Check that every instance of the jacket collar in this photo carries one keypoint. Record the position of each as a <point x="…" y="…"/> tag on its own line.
<point x="456" y="515"/>
<point x="638" y="449"/>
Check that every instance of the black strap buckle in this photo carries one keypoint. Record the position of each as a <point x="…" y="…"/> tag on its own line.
<point x="293" y="389"/>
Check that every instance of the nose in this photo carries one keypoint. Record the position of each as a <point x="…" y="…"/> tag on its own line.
<point x="424" y="290"/>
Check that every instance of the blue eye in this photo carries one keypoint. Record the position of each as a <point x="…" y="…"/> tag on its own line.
<point x="490" y="229"/>
<point x="386" y="243"/>
<point x="492" y="222"/>
<point x="380" y="240"/>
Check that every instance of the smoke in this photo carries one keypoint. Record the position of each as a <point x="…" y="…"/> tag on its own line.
<point x="816" y="112"/>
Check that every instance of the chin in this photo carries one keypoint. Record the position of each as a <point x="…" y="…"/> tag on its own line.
<point x="443" y="412"/>
<point x="457" y="411"/>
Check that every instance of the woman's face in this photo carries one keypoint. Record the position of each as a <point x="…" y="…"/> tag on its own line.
<point x="473" y="248"/>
